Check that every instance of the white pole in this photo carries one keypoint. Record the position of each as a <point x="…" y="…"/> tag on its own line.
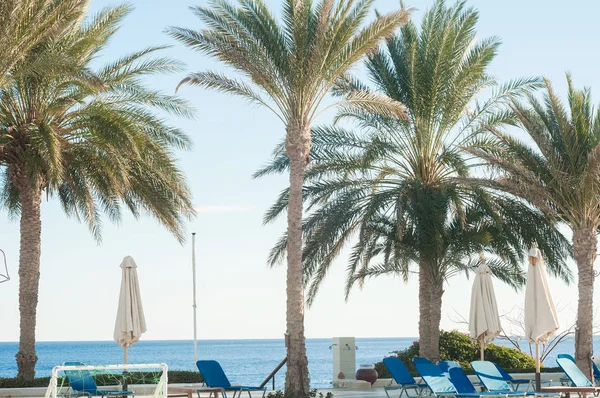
<point x="194" y="284"/>
<point x="538" y="375"/>
<point x="482" y="347"/>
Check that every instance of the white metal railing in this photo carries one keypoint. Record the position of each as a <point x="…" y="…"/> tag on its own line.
<point x="159" y="392"/>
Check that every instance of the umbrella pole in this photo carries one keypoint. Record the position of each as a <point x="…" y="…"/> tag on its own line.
<point x="124" y="382"/>
<point x="482" y="347"/>
<point x="538" y="376"/>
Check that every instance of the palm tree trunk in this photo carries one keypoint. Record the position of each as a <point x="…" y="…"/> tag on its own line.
<point x="296" y="378"/>
<point x="437" y="291"/>
<point x="425" y="325"/>
<point x="585" y="243"/>
<point x="29" y="276"/>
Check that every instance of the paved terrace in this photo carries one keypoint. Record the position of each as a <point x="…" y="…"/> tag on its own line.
<point x="337" y="392"/>
<point x="374" y="392"/>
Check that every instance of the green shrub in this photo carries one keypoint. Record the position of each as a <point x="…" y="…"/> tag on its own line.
<point x="382" y="372"/>
<point x="185" y="376"/>
<point x="13" y="382"/>
<point x="509" y="358"/>
<point x="457" y="346"/>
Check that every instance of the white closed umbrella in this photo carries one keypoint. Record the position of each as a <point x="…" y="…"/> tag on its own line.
<point x="541" y="321"/>
<point x="130" y="323"/>
<point x="484" y="320"/>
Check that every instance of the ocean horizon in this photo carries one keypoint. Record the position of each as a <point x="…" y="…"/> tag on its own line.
<point x="246" y="361"/>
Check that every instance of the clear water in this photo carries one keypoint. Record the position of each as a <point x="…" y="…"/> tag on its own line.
<point x="245" y="361"/>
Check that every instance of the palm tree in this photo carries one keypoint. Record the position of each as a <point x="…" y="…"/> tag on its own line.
<point x="89" y="137"/>
<point x="558" y="173"/>
<point x="289" y="67"/>
<point x="26" y="22"/>
<point x="398" y="184"/>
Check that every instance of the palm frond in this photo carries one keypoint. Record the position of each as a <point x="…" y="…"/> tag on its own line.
<point x="92" y="136"/>
<point x="400" y="186"/>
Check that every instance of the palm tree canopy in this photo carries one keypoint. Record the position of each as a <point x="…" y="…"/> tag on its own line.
<point x="402" y="187"/>
<point x="92" y="137"/>
<point x="290" y="66"/>
<point x="26" y="22"/>
<point x="361" y="197"/>
<point x="559" y="173"/>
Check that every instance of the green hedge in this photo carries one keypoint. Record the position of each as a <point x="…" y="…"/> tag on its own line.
<point x="13" y="382"/>
<point x="184" y="376"/>
<point x="456" y="346"/>
<point x="175" y="376"/>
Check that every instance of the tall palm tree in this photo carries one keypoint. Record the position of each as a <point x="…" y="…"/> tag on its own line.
<point x="403" y="178"/>
<point x="26" y="22"/>
<point x="289" y="67"/>
<point x="89" y="137"/>
<point x="558" y="173"/>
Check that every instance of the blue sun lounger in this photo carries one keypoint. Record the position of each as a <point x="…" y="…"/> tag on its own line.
<point x="575" y="375"/>
<point x="214" y="377"/>
<point x="490" y="376"/>
<point x="441" y="386"/>
<point x="457" y="376"/>
<point x="492" y="380"/>
<point x="404" y="380"/>
<point x="82" y="383"/>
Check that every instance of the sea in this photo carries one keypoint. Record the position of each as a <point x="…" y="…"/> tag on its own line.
<point x="245" y="361"/>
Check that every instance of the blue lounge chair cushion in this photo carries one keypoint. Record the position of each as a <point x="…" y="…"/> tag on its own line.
<point x="213" y="374"/>
<point x="490" y="376"/>
<point x="567" y="364"/>
<point x="435" y="379"/>
<point x="215" y="377"/>
<point x="457" y="376"/>
<point x="400" y="372"/>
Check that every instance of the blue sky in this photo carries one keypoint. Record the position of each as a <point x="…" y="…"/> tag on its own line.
<point x="238" y="295"/>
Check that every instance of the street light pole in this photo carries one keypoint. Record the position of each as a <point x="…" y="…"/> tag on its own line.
<point x="194" y="304"/>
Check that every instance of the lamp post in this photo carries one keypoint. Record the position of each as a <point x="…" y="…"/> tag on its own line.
<point x="194" y="294"/>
